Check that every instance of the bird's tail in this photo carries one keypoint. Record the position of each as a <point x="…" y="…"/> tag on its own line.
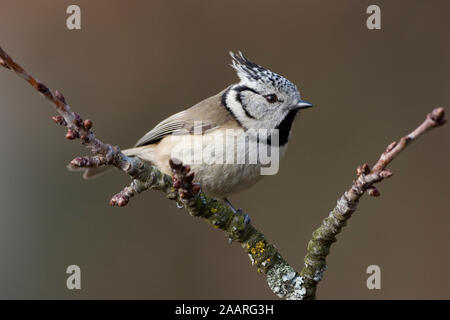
<point x="91" y="173"/>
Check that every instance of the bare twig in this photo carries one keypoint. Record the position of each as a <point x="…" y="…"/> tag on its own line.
<point x="281" y="277"/>
<point x="77" y="128"/>
<point x="434" y="119"/>
<point x="325" y="235"/>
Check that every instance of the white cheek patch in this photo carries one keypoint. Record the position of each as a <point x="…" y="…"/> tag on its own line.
<point x="264" y="119"/>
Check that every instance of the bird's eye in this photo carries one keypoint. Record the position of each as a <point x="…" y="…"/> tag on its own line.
<point x="271" y="98"/>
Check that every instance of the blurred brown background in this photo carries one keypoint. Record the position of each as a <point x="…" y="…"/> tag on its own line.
<point x="135" y="62"/>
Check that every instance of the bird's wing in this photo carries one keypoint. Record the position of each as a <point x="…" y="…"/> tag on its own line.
<point x="207" y="115"/>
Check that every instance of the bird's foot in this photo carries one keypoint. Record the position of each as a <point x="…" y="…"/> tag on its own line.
<point x="238" y="212"/>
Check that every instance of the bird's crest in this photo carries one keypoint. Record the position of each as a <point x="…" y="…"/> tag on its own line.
<point x="250" y="71"/>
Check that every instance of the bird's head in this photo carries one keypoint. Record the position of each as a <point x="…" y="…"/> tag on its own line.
<point x="262" y="99"/>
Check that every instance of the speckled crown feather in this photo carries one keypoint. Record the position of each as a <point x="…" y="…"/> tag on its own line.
<point x="248" y="70"/>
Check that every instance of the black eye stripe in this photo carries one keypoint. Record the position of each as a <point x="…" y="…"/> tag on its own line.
<point x="239" y="98"/>
<point x="239" y="89"/>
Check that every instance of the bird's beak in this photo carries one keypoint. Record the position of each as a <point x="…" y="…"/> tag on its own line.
<point x="303" y="104"/>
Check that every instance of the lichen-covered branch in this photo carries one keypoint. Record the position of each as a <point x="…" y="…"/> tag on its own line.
<point x="325" y="235"/>
<point x="282" y="279"/>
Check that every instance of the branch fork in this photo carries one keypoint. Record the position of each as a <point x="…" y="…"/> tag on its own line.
<point x="282" y="279"/>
